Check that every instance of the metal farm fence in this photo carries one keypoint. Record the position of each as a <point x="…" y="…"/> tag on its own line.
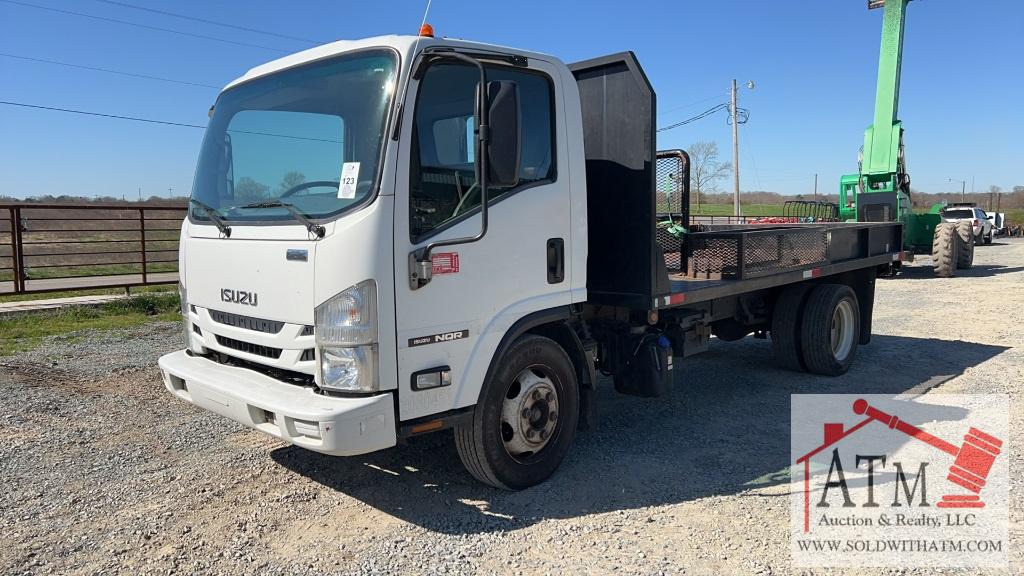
<point x="50" y="247"/>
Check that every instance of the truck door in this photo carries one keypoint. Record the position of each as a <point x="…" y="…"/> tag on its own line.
<point x="480" y="289"/>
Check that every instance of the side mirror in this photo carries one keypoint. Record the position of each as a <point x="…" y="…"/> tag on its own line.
<point x="505" y="147"/>
<point x="990" y="217"/>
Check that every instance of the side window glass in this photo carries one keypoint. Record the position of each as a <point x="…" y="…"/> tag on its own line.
<point x="443" y="173"/>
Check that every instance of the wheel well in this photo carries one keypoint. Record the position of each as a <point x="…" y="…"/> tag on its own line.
<point x="566" y="337"/>
<point x="557" y="324"/>
<point x="863" y="284"/>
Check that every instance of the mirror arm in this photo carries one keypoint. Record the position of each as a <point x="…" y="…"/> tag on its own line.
<point x="420" y="263"/>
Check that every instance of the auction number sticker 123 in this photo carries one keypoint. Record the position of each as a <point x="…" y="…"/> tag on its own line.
<point x="349" y="180"/>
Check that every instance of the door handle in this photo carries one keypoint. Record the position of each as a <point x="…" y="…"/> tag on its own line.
<point x="556" y="260"/>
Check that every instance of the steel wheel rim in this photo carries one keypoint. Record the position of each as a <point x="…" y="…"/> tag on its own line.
<point x="841" y="332"/>
<point x="530" y="413"/>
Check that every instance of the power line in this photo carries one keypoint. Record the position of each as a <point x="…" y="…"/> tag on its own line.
<point x="703" y="114"/>
<point x="101" y="115"/>
<point x="691" y="104"/>
<point x="213" y="22"/>
<point x="146" y="26"/>
<point x="109" y="71"/>
<point x="163" y="122"/>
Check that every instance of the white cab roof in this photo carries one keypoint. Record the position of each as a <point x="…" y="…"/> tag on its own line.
<point x="403" y="44"/>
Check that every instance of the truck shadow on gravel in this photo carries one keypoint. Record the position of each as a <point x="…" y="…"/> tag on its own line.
<point x="724" y="430"/>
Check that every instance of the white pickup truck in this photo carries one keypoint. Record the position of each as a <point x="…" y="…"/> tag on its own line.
<point x="399" y="235"/>
<point x="982" y="225"/>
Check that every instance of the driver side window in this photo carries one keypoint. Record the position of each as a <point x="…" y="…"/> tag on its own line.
<point x="443" y="183"/>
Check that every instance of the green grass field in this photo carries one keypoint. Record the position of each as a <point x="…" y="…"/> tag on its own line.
<point x="19" y="332"/>
<point x="727" y="210"/>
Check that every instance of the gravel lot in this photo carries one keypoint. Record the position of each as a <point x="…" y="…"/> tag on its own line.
<point x="104" y="472"/>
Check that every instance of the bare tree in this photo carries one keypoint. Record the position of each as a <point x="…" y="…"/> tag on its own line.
<point x="705" y="169"/>
<point x="291" y="180"/>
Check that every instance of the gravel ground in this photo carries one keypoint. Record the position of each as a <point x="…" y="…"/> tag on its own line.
<point x="104" y="472"/>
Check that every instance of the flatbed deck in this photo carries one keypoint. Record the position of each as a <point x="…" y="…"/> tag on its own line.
<point x="704" y="266"/>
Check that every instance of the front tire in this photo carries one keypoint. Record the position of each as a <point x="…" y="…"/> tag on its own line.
<point x="525" y="421"/>
<point x="944" y="250"/>
<point x="830" y="329"/>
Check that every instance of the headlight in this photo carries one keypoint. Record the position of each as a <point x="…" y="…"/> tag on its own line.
<point x="352" y="369"/>
<point x="346" y="339"/>
<point x="186" y="322"/>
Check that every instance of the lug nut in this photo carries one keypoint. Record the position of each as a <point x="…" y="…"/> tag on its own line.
<point x="530" y="433"/>
<point x="543" y="434"/>
<point x="553" y="416"/>
<point x="549" y="397"/>
<point x="536" y="395"/>
<point x="526" y="412"/>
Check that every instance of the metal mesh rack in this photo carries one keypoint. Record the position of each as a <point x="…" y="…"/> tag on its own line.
<point x="740" y="254"/>
<point x="671" y="203"/>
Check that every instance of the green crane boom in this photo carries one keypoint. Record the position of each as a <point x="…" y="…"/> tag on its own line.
<point x="881" y="189"/>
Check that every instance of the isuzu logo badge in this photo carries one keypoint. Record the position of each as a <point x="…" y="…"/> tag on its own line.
<point x="238" y="296"/>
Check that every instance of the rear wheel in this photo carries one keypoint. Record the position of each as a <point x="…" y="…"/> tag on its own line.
<point x="526" y="418"/>
<point x="830" y="329"/>
<point x="786" y="327"/>
<point x="944" y="252"/>
<point x="965" y="245"/>
<point x="988" y="239"/>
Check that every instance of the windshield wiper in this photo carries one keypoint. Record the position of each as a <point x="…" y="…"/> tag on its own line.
<point x="313" y="228"/>
<point x="214" y="217"/>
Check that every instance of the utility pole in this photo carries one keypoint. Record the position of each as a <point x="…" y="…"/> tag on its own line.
<point x="735" y="153"/>
<point x="963" y="187"/>
<point x="140" y="193"/>
<point x="169" y="192"/>
<point x="815" y="186"/>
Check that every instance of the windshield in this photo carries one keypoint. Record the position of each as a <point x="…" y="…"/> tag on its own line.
<point x="309" y="136"/>
<point x="958" y="214"/>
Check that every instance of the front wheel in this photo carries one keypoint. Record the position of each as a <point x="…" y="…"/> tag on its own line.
<point x="526" y="418"/>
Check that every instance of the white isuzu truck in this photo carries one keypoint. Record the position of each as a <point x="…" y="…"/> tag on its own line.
<point x="399" y="235"/>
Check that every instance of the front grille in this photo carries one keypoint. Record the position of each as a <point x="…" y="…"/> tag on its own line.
<point x="246" y="322"/>
<point x="248" y="347"/>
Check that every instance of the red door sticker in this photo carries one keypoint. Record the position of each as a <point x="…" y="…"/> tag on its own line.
<point x="445" y="262"/>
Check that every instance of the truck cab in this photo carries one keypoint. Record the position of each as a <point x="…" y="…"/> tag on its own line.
<point x="292" y="324"/>
<point x="403" y="234"/>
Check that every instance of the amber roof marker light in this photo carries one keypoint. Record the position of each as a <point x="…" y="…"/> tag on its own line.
<point x="426" y="30"/>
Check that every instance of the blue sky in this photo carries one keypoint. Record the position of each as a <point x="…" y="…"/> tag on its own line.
<point x="813" y="62"/>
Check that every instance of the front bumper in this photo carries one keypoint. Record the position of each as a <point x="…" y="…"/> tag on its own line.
<point x="331" y="425"/>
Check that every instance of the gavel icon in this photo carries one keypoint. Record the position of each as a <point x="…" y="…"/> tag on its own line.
<point x="973" y="460"/>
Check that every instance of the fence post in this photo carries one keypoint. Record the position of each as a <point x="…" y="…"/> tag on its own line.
<point x="19" y="244"/>
<point x="14" y="250"/>
<point x="142" y="233"/>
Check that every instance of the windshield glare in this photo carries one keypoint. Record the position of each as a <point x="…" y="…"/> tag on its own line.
<point x="309" y="136"/>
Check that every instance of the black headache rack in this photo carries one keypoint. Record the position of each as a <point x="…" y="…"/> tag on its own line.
<point x="642" y="253"/>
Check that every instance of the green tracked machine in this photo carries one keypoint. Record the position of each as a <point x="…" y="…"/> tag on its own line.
<point x="880" y="191"/>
